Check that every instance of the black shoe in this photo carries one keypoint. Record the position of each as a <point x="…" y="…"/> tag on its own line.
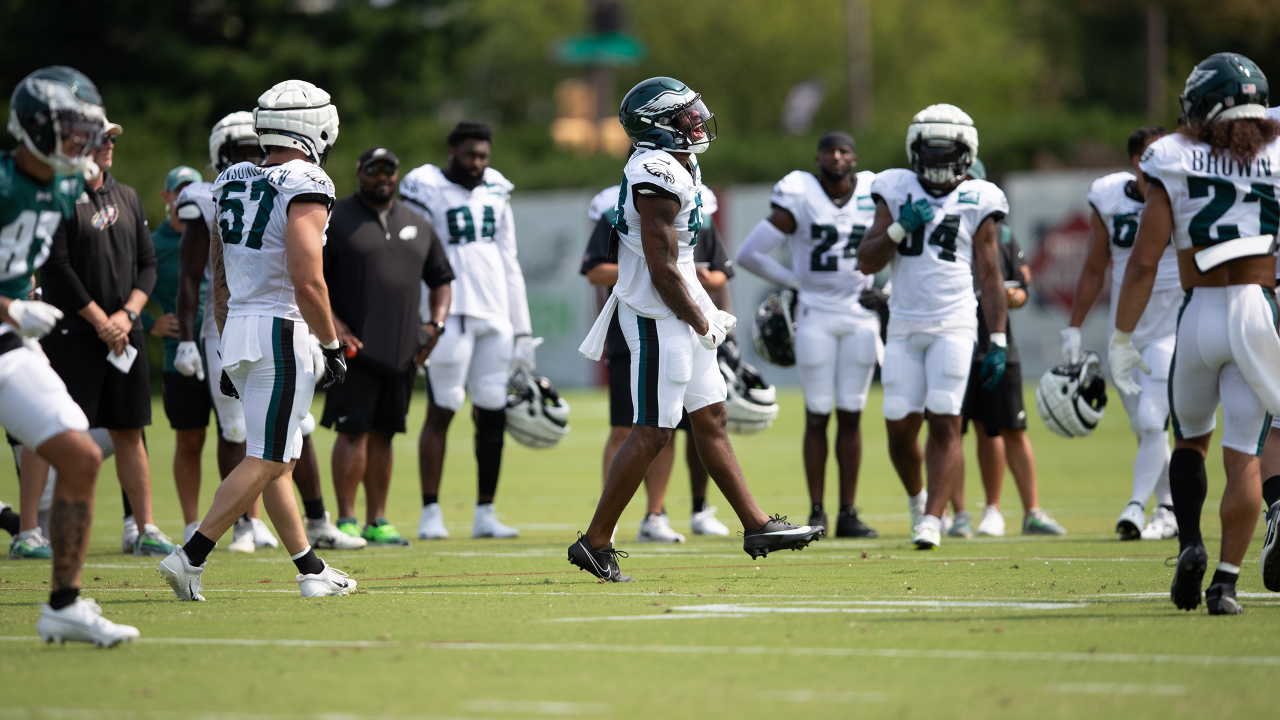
<point x="1188" y="577"/>
<point x="778" y="534"/>
<point x="601" y="563"/>
<point x="818" y="519"/>
<point x="848" y="525"/>
<point x="1270" y="559"/>
<point x="1221" y="599"/>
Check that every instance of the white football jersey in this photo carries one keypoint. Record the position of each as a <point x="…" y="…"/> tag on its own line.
<point x="933" y="269"/>
<point x="1114" y="198"/>
<point x="1213" y="197"/>
<point x="605" y="204"/>
<point x="824" y="246"/>
<point x="253" y="212"/>
<point x="656" y="173"/>
<point x="196" y="202"/>
<point x="477" y="230"/>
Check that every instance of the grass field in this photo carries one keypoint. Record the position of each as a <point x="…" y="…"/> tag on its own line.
<point x="995" y="628"/>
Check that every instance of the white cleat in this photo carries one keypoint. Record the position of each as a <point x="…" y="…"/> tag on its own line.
<point x="705" y="523"/>
<point x="182" y="576"/>
<point x="916" y="506"/>
<point x="189" y="530"/>
<point x="657" y="529"/>
<point x="262" y="536"/>
<point x="927" y="534"/>
<point x="431" y="523"/>
<point x="1131" y="521"/>
<point x="992" y="524"/>
<point x="947" y="522"/>
<point x="324" y="535"/>
<point x="242" y="537"/>
<point x="129" y="538"/>
<point x="486" y="524"/>
<point x="82" y="621"/>
<point x="329" y="581"/>
<point x="1163" y="525"/>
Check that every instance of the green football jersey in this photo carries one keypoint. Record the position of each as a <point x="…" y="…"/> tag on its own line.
<point x="29" y="215"/>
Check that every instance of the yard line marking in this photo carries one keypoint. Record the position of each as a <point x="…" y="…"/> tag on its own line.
<point x="858" y="607"/>
<point x="824" y="697"/>
<point x="538" y="707"/>
<point x="827" y="652"/>
<point x="101" y="714"/>
<point x="1118" y="689"/>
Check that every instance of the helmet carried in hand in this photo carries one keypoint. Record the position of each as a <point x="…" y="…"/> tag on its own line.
<point x="774" y="330"/>
<point x="752" y="403"/>
<point x="1071" y="398"/>
<point x="537" y="416"/>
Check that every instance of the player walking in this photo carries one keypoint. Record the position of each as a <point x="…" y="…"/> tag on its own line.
<point x="1211" y="186"/>
<point x="56" y="115"/>
<point x="933" y="321"/>
<point x="824" y="217"/>
<point x="469" y="205"/>
<point x="1117" y="201"/>
<point x="271" y="223"/>
<point x="669" y="323"/>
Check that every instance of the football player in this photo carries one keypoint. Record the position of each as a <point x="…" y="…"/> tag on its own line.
<point x="268" y="286"/>
<point x="670" y="324"/>
<point x="1117" y="201"/>
<point x="938" y="227"/>
<point x="823" y="218"/>
<point x="487" y="337"/>
<point x="1211" y="186"/>
<point x="56" y="115"/>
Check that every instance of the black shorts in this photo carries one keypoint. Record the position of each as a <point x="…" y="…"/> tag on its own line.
<point x="369" y="400"/>
<point x="186" y="401"/>
<point x="621" y="412"/>
<point x="997" y="409"/>
<point x="109" y="398"/>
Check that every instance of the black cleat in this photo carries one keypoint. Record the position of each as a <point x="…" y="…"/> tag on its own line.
<point x="1188" y="577"/>
<point x="778" y="534"/>
<point x="1221" y="600"/>
<point x="818" y="519"/>
<point x="848" y="525"/>
<point x="1270" y="559"/>
<point x="601" y="563"/>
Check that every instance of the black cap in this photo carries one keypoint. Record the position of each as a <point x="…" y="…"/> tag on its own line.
<point x="378" y="153"/>
<point x="835" y="137"/>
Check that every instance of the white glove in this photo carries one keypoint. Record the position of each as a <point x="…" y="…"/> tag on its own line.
<point x="33" y="317"/>
<point x="34" y="346"/>
<point x="524" y="359"/>
<point x="715" y="331"/>
<point x="1124" y="357"/>
<point x="317" y="358"/>
<point x="728" y="321"/>
<point x="187" y="360"/>
<point x="1071" y="345"/>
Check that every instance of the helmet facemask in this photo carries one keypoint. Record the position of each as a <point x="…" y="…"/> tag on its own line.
<point x="941" y="162"/>
<point x="73" y="125"/>
<point x="241" y="150"/>
<point x="696" y="124"/>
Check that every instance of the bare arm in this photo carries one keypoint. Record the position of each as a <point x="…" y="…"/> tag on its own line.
<point x="440" y="299"/>
<point x="712" y="280"/>
<point x="221" y="293"/>
<point x="193" y="255"/>
<point x="986" y="260"/>
<point x="876" y="252"/>
<point x="1095" y="270"/>
<point x="304" y="245"/>
<point x="1144" y="259"/>
<point x="603" y="275"/>
<point x="661" y="253"/>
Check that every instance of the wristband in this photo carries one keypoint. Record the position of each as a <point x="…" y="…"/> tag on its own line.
<point x="999" y="338"/>
<point x="896" y="232"/>
<point x="332" y="345"/>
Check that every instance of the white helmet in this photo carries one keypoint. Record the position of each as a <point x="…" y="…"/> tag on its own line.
<point x="942" y="143"/>
<point x="299" y="115"/>
<point x="537" y="416"/>
<point x="1071" y="398"/>
<point x="232" y="130"/>
<point x="752" y="403"/>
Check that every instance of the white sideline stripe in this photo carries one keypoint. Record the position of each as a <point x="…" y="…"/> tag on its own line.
<point x="1118" y="689"/>
<point x="908" y="653"/>
<point x="100" y="714"/>
<point x="537" y="707"/>
<point x="745" y="610"/>
<point x="825" y="697"/>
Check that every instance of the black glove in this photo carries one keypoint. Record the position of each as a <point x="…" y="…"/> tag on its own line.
<point x="877" y="301"/>
<point x="227" y="387"/>
<point x="335" y="366"/>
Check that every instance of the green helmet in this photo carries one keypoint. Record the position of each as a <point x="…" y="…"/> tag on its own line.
<point x="52" y="106"/>
<point x="1225" y="86"/>
<point x="663" y="113"/>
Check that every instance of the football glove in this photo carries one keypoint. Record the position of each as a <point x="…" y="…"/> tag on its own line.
<point x="995" y="360"/>
<point x="715" y="332"/>
<point x="317" y="359"/>
<point x="1071" y="345"/>
<point x="912" y="217"/>
<point x="33" y="317"/>
<point x="728" y="321"/>
<point x="227" y="387"/>
<point x="335" y="365"/>
<point x="524" y="358"/>
<point x="187" y="360"/>
<point x="1123" y="358"/>
<point x="877" y="301"/>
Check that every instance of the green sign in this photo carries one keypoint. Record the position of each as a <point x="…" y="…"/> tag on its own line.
<point x="611" y="48"/>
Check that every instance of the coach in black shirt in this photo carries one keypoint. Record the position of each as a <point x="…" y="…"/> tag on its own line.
<point x="377" y="256"/>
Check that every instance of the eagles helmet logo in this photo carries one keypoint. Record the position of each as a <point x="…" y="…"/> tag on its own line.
<point x="1198" y="77"/>
<point x="659" y="171"/>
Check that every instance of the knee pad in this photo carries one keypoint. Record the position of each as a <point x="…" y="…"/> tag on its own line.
<point x="491" y="393"/>
<point x="819" y="404"/>
<point x="895" y="408"/>
<point x="308" y="425"/>
<point x="1152" y="417"/>
<point x="942" y="403"/>
<point x="235" y="431"/>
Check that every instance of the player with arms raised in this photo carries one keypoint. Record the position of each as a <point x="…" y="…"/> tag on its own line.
<point x="938" y="228"/>
<point x="1212" y="186"/>
<point x="268" y="281"/>
<point x="670" y="324"/>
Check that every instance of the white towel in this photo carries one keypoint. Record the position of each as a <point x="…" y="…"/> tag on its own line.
<point x="592" y="348"/>
<point x="125" y="361"/>
<point x="240" y="341"/>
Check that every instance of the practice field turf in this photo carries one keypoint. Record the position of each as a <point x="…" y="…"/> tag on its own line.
<point x="1069" y="627"/>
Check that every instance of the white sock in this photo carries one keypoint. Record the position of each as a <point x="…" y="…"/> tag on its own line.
<point x="305" y="550"/>
<point x="1227" y="567"/>
<point x="1151" y="467"/>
